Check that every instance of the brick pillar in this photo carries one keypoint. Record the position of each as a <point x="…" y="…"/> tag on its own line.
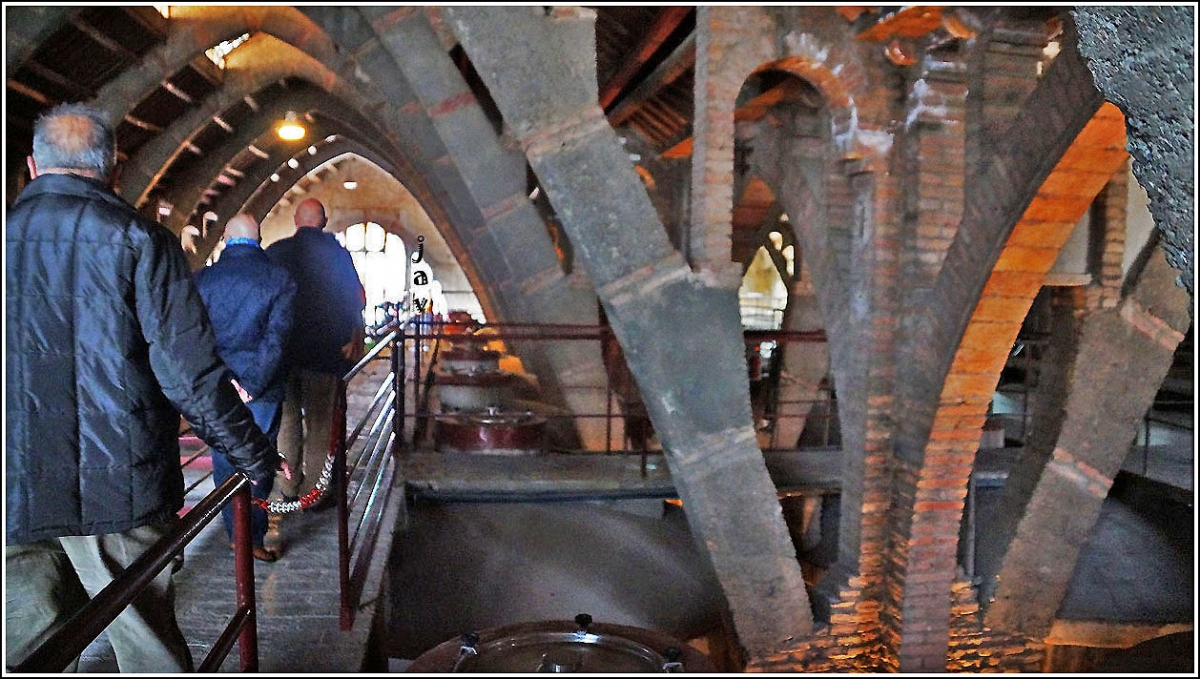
<point x="1107" y="240"/>
<point x="723" y="60"/>
<point x="936" y="168"/>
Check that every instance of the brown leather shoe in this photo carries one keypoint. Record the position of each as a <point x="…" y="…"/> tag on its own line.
<point x="263" y="554"/>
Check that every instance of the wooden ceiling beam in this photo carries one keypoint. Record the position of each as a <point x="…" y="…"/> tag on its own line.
<point x="77" y="91"/>
<point x="680" y="61"/>
<point x="664" y="25"/>
<point x="22" y="88"/>
<point x="179" y="94"/>
<point x="138" y="122"/>
<point x="106" y="42"/>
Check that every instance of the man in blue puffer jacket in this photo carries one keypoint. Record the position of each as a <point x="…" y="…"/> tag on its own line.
<point x="107" y="343"/>
<point x="250" y="303"/>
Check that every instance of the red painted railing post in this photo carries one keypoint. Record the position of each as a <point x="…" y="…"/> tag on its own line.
<point x="243" y="568"/>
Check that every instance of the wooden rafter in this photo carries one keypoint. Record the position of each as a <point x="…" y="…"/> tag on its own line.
<point x="675" y="65"/>
<point x="664" y="25"/>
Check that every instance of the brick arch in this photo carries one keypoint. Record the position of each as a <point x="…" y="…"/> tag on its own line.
<point x="834" y="76"/>
<point x="805" y="365"/>
<point x="736" y="43"/>
<point x="1049" y="202"/>
<point x="838" y="235"/>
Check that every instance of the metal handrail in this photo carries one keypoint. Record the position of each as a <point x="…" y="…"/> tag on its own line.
<point x="373" y="467"/>
<point x="435" y="331"/>
<point x="69" y="641"/>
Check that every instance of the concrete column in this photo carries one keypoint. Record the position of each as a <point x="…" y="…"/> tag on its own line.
<point x="1124" y="354"/>
<point x="1121" y="45"/>
<point x="694" y="385"/>
<point x="804" y="366"/>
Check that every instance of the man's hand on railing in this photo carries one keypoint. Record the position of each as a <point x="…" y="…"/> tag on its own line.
<point x="356" y="347"/>
<point x="264" y="470"/>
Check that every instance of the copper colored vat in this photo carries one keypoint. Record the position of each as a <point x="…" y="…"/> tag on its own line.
<point x="491" y="432"/>
<point x="471" y="391"/>
<point x="469" y="358"/>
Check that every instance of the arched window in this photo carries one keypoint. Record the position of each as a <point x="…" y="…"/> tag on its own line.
<point x="379" y="257"/>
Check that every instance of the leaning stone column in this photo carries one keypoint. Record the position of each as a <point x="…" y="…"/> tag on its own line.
<point x="682" y="338"/>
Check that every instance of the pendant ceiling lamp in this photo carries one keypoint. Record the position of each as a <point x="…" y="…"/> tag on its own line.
<point x="290" y="128"/>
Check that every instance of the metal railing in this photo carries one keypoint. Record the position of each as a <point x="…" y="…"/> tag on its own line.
<point x="622" y="401"/>
<point x="70" y="640"/>
<point x="364" y="457"/>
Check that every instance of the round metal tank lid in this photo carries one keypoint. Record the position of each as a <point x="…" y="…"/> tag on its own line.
<point x="556" y="646"/>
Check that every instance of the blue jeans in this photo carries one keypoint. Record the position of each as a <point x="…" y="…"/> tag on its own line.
<point x="266" y="416"/>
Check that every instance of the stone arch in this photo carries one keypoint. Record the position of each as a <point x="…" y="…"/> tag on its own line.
<point x="194" y="29"/>
<point x="700" y="407"/>
<point x="480" y="179"/>
<point x="289" y="45"/>
<point x="446" y="174"/>
<point x="190" y="185"/>
<point x="42" y="22"/>
<point x="259" y="62"/>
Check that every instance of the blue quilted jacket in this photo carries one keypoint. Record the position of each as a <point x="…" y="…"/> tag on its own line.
<point x="250" y="303"/>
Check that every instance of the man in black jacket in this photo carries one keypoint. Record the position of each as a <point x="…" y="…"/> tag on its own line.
<point x="107" y="344"/>
<point x="327" y="338"/>
<point x="249" y="300"/>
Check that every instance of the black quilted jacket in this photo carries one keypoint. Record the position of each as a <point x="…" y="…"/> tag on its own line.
<point x="107" y="343"/>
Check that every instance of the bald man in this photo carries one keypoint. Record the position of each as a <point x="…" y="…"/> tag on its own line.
<point x="325" y="342"/>
<point x="251" y="302"/>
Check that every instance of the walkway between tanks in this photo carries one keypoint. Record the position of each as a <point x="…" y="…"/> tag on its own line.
<point x="298" y="596"/>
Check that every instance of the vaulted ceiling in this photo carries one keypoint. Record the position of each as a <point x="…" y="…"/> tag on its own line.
<point x="645" y="58"/>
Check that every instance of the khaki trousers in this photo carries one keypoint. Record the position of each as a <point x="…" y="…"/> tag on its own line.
<point x="305" y="427"/>
<point x="47" y="581"/>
